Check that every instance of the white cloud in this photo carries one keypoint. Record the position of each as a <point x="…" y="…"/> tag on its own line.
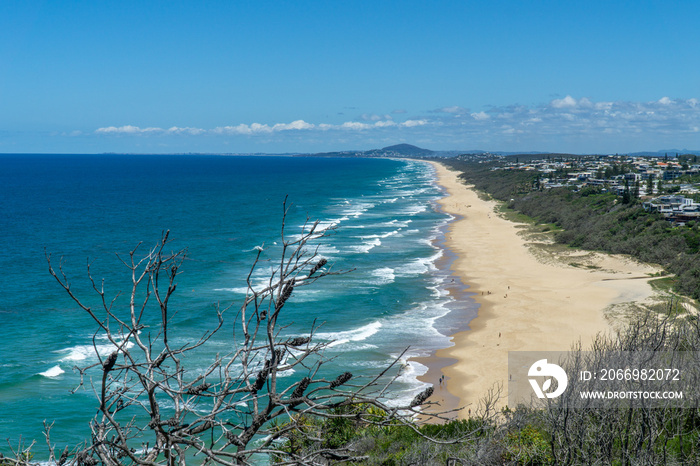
<point x="192" y="131"/>
<point x="584" y="102"/>
<point x="412" y="123"/>
<point x="452" y="109"/>
<point x="384" y="124"/>
<point x="509" y="130"/>
<point x="231" y="130"/>
<point x="566" y="102"/>
<point x="128" y="129"/>
<point x="259" y="128"/>
<point x="582" y="120"/>
<point x="374" y="117"/>
<point x="297" y="124"/>
<point x="355" y="125"/>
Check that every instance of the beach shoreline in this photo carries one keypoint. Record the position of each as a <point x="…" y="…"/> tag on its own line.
<point x="526" y="303"/>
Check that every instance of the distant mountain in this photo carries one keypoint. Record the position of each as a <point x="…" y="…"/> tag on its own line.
<point x="669" y="152"/>
<point x="398" y="150"/>
<point x="406" y="150"/>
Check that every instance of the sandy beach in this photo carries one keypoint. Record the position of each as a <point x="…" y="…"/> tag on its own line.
<point x="528" y="302"/>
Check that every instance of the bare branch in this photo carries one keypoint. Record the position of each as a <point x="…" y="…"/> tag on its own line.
<point x="155" y="410"/>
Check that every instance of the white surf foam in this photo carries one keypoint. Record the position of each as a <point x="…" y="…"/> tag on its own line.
<point x="408" y="376"/>
<point x="367" y="245"/>
<point x="326" y="225"/>
<point x="82" y="352"/>
<point x="358" y="334"/>
<point x="359" y="347"/>
<point x="55" y="371"/>
<point x="308" y="295"/>
<point x="415" y="209"/>
<point x="356" y="209"/>
<point x="383" y="276"/>
<point x="391" y="233"/>
<point x="285" y="373"/>
<point x="419" y="266"/>
<point x="240" y="289"/>
<point x="326" y="251"/>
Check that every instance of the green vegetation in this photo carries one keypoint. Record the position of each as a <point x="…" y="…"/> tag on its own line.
<point x="515" y="216"/>
<point x="665" y="284"/>
<point x="375" y="442"/>
<point x="21" y="458"/>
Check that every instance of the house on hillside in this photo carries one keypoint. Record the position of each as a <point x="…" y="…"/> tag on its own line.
<point x="675" y="208"/>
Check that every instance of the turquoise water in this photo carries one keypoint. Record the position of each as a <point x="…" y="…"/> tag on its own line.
<point x="389" y="231"/>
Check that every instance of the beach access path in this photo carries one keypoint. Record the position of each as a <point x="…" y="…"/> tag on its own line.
<point x="526" y="303"/>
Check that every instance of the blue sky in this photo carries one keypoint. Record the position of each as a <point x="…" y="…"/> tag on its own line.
<point x="307" y="76"/>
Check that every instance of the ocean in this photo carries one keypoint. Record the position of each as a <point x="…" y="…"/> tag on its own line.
<point x="387" y="231"/>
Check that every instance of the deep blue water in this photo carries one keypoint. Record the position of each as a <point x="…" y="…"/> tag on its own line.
<point x="80" y="208"/>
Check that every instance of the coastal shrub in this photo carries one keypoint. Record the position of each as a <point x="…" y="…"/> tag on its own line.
<point x="528" y="446"/>
<point x="22" y="458"/>
<point x="477" y="428"/>
<point x="401" y="444"/>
